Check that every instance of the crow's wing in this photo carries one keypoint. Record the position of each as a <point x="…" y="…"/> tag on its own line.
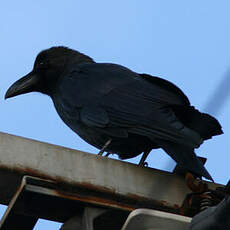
<point x="167" y="85"/>
<point x="112" y="96"/>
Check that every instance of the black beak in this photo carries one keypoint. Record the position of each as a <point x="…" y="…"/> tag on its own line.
<point x="24" y="85"/>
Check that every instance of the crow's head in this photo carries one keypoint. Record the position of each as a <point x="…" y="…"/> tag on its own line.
<point x="49" y="65"/>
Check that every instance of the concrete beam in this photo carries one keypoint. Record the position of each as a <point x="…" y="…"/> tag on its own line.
<point x="121" y="181"/>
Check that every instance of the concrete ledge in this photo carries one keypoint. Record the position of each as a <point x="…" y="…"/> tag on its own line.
<point x="21" y="156"/>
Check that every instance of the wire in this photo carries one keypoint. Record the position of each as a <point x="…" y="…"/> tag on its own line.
<point x="220" y="96"/>
<point x="215" y="103"/>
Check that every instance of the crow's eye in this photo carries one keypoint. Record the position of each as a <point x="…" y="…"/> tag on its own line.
<point x="41" y="65"/>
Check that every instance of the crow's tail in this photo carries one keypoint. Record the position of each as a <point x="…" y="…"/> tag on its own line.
<point x="185" y="157"/>
<point x="204" y="124"/>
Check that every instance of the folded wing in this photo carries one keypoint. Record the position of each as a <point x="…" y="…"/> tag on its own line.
<point x="112" y="96"/>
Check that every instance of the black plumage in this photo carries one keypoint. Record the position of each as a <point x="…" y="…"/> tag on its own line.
<point x="103" y="101"/>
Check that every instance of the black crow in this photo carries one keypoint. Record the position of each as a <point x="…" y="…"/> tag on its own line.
<point x="118" y="110"/>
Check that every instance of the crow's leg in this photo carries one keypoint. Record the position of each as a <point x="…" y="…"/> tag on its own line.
<point x="143" y="158"/>
<point x="104" y="147"/>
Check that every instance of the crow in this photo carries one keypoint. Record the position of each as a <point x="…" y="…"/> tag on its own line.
<point x="117" y="110"/>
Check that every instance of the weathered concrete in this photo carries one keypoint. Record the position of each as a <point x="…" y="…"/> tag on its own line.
<point x="21" y="156"/>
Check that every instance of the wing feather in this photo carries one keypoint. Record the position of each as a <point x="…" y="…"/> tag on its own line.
<point x="120" y="98"/>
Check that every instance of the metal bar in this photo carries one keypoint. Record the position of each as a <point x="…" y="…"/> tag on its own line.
<point x="146" y="219"/>
<point x="12" y="219"/>
<point x="37" y="198"/>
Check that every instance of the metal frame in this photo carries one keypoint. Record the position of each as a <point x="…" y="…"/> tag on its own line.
<point x="146" y="219"/>
<point x="68" y="181"/>
<point x="37" y="198"/>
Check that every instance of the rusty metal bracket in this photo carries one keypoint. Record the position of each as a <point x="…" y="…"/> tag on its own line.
<point x="39" y="198"/>
<point x="201" y="196"/>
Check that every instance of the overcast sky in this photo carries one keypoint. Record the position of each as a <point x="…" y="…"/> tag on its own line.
<point x="186" y="42"/>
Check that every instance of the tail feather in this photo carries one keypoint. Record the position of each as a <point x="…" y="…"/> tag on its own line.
<point x="206" y="125"/>
<point x="185" y="157"/>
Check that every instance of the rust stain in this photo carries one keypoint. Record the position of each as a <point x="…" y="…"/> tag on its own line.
<point x="59" y="180"/>
<point x="26" y="171"/>
<point x="195" y="185"/>
<point x="99" y="195"/>
<point x="34" y="172"/>
<point x="161" y="205"/>
<point x="94" y="200"/>
<point x="140" y="198"/>
<point x="96" y="188"/>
